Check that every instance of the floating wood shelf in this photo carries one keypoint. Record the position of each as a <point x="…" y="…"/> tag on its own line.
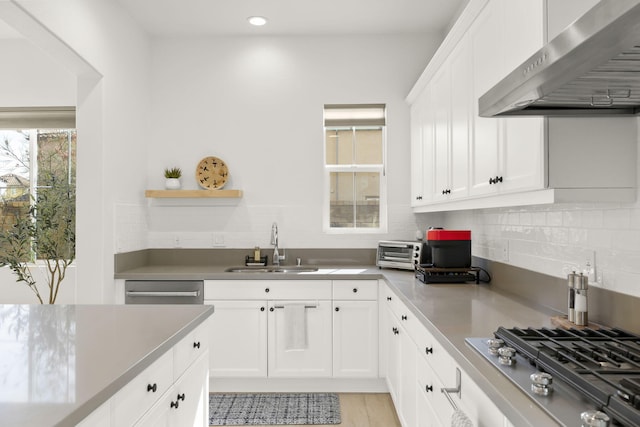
<point x="193" y="194"/>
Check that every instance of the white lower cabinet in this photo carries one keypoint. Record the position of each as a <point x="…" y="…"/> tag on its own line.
<point x="355" y="328"/>
<point x="310" y="360"/>
<point x="418" y="368"/>
<point x="355" y="339"/>
<point x="173" y="391"/>
<point x="239" y="329"/>
<point x="185" y="404"/>
<point x="250" y="328"/>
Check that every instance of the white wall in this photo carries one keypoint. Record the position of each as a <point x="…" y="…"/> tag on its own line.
<point x="257" y="104"/>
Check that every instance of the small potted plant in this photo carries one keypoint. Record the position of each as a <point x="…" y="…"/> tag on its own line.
<point x="172" y="176"/>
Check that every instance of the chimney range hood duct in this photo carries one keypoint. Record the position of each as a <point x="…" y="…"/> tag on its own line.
<point x="592" y="68"/>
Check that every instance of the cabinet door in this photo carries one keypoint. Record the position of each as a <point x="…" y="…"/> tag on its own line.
<point x="186" y="403"/>
<point x="192" y="395"/>
<point x="425" y="415"/>
<point x="441" y="91"/>
<point x="355" y="339"/>
<point x="488" y="69"/>
<point x="393" y="358"/>
<point x="313" y="361"/>
<point x="238" y="331"/>
<point x="417" y="166"/>
<point x="461" y="124"/>
<point x="407" y="379"/>
<point x="522" y="146"/>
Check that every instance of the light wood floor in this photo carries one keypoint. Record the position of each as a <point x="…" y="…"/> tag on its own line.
<point x="366" y="410"/>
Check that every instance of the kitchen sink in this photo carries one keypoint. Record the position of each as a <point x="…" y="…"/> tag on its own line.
<point x="283" y="269"/>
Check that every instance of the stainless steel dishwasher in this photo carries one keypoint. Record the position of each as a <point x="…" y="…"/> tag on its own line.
<point x="164" y="292"/>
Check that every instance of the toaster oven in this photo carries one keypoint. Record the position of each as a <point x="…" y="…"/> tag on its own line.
<point x="402" y="254"/>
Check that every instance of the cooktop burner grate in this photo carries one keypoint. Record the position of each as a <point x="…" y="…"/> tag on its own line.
<point x="604" y="364"/>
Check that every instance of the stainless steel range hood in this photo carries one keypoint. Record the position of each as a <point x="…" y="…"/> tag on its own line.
<point x="592" y="68"/>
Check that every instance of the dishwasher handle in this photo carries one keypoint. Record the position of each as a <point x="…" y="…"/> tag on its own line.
<point x="163" y="294"/>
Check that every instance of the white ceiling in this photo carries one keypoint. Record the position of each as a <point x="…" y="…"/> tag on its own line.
<point x="294" y="17"/>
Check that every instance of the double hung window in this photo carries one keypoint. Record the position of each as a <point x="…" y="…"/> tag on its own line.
<point x="354" y="162"/>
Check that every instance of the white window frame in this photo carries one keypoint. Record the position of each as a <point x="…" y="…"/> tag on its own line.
<point x="351" y="168"/>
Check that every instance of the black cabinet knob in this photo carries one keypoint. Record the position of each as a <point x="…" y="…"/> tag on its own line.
<point x="153" y="388"/>
<point x="180" y="397"/>
<point x="267" y="290"/>
<point x="271" y="309"/>
<point x="261" y="308"/>
<point x="388" y="298"/>
<point x="175" y="404"/>
<point x="196" y="344"/>
<point x="498" y="179"/>
<point x="491" y="181"/>
<point x="429" y="388"/>
<point x="428" y="350"/>
<point x="355" y="290"/>
<point x="403" y="317"/>
<point x="337" y="308"/>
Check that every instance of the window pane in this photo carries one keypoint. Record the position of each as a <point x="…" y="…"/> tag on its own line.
<point x="51" y="155"/>
<point x="341" y="203"/>
<point x="355" y="199"/>
<point x="14" y="179"/>
<point x="367" y="199"/>
<point x="368" y="146"/>
<point x="339" y="143"/>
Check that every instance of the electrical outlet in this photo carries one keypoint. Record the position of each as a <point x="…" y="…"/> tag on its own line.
<point x="217" y="240"/>
<point x="502" y="251"/>
<point x="589" y="268"/>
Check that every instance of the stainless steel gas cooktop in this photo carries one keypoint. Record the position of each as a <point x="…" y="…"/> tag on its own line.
<point x="587" y="375"/>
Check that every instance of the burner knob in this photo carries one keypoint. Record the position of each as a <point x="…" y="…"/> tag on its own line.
<point x="541" y="383"/>
<point x="494" y="345"/>
<point x="507" y="356"/>
<point x="595" y="419"/>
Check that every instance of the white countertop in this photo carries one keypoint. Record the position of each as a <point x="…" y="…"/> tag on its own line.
<point x="60" y="362"/>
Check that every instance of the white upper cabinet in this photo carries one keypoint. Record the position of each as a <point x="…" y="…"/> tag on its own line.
<point x="476" y="162"/>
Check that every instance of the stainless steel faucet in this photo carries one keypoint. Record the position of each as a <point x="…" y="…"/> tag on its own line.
<point x="274" y="242"/>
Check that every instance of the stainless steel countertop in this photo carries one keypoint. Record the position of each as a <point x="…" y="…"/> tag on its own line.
<point x="61" y="362"/>
<point x="451" y="312"/>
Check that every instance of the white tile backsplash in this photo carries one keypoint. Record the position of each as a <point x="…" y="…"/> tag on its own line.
<point x="553" y="239"/>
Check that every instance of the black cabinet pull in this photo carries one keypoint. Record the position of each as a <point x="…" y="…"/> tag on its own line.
<point x="429" y="388"/>
<point x="267" y="290"/>
<point x="404" y="317"/>
<point x="180" y="397"/>
<point x="498" y="179"/>
<point x="355" y="290"/>
<point x="388" y="298"/>
<point x="428" y="350"/>
<point x="337" y="308"/>
<point x="153" y="388"/>
<point x="175" y="404"/>
<point x="491" y="181"/>
<point x="395" y="331"/>
<point x="196" y="344"/>
<point x="261" y="308"/>
<point x="271" y="309"/>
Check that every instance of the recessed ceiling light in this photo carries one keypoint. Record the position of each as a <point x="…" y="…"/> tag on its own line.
<point x="258" y="21"/>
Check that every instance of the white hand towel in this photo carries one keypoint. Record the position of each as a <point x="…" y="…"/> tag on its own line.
<point x="295" y="324"/>
<point x="460" y="419"/>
